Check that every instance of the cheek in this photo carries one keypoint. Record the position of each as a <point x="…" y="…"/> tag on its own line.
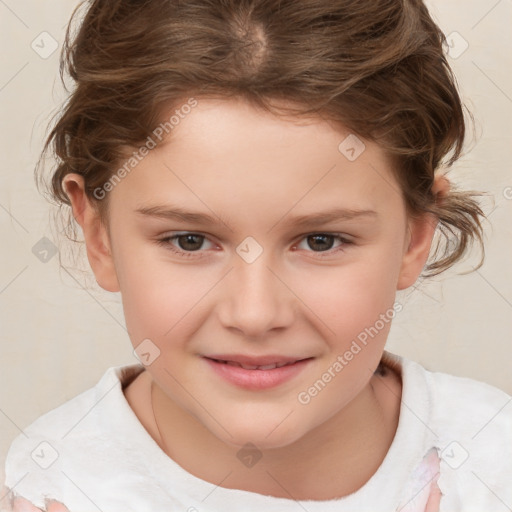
<point x="347" y="299"/>
<point x="161" y="299"/>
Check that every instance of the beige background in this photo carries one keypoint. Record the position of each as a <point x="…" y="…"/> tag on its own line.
<point x="60" y="332"/>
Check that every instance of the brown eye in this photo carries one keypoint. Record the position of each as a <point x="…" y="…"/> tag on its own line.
<point x="324" y="243"/>
<point x="186" y="244"/>
<point x="190" y="242"/>
<point x="320" y="242"/>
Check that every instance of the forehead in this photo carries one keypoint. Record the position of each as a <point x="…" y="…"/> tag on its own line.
<point x="215" y="123"/>
<point x="230" y="152"/>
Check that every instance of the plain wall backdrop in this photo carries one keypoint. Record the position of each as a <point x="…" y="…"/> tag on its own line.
<point x="60" y="331"/>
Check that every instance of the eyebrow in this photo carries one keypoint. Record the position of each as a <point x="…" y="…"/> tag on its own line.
<point x="301" y="221"/>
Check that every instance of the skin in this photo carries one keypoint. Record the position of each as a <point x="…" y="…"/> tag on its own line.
<point x="19" y="504"/>
<point x="256" y="172"/>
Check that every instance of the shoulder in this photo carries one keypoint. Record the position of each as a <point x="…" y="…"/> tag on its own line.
<point x="58" y="422"/>
<point x="455" y="404"/>
<point x="468" y="406"/>
<point x="470" y="424"/>
<point x="65" y="438"/>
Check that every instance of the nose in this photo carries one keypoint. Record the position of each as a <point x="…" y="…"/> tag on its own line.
<point x="255" y="299"/>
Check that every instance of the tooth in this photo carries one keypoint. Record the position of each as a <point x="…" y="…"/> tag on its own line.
<point x="254" y="367"/>
<point x="267" y="367"/>
<point x="248" y="366"/>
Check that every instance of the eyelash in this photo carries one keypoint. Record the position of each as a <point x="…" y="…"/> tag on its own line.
<point x="166" y="243"/>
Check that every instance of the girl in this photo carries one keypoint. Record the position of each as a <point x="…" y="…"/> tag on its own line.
<point x="258" y="179"/>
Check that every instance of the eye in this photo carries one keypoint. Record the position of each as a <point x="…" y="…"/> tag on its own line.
<point x="323" y="242"/>
<point x="186" y="243"/>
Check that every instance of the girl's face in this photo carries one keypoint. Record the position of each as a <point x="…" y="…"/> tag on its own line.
<point x="252" y="239"/>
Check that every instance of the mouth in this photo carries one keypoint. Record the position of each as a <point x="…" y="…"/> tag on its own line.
<point x="257" y="373"/>
<point x="269" y="366"/>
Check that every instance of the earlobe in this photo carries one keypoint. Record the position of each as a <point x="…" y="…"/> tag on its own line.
<point x="96" y="236"/>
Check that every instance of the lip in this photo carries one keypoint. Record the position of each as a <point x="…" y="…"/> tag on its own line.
<point x="255" y="360"/>
<point x="256" y="379"/>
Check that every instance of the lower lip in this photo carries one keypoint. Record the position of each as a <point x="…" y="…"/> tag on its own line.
<point x="257" y="379"/>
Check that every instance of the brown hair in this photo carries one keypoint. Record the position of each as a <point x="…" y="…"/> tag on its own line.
<point x="376" y="67"/>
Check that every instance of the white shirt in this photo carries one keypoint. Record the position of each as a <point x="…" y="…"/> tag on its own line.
<point x="92" y="453"/>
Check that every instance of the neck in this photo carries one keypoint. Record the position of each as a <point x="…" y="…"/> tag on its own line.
<point x="351" y="445"/>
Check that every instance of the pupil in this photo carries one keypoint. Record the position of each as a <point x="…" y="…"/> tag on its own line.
<point x="189" y="239"/>
<point x="185" y="240"/>
<point x="320" y="237"/>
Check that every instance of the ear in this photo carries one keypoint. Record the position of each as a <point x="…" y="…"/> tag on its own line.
<point x="95" y="233"/>
<point x="420" y="232"/>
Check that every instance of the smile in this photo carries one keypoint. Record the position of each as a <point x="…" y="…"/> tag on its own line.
<point x="255" y="367"/>
<point x="245" y="373"/>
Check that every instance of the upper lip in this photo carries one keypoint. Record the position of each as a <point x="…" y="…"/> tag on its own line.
<point x="255" y="361"/>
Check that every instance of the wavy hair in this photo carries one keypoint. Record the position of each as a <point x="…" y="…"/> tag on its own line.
<point x="376" y="67"/>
